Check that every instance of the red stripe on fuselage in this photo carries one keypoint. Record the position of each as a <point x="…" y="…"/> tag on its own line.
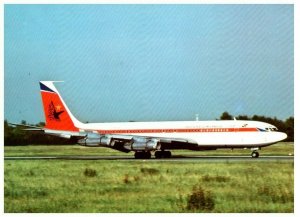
<point x="189" y="130"/>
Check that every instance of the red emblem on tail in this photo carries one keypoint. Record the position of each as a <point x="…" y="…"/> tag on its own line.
<point x="52" y="113"/>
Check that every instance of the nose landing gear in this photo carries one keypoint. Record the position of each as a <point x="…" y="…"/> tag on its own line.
<point x="254" y="154"/>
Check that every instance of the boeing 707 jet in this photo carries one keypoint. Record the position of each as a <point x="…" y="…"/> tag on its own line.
<point x="145" y="138"/>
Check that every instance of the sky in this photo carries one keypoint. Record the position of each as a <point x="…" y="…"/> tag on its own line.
<point x="150" y="62"/>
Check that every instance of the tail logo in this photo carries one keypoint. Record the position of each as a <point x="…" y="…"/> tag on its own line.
<point x="54" y="112"/>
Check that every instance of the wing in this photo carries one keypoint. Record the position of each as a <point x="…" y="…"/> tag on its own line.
<point x="128" y="143"/>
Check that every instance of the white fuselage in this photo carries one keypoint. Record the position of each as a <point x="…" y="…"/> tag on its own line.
<point x="232" y="133"/>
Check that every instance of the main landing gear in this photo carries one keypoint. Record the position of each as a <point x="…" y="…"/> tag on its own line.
<point x="142" y="155"/>
<point x="147" y="154"/>
<point x="163" y="154"/>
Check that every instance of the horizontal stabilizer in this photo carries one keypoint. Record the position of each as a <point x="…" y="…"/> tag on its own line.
<point x="33" y="129"/>
<point x="28" y="126"/>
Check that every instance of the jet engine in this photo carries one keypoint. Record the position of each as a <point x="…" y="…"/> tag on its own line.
<point x="95" y="139"/>
<point x="145" y="145"/>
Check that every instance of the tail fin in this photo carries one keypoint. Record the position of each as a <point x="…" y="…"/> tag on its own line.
<point x="57" y="114"/>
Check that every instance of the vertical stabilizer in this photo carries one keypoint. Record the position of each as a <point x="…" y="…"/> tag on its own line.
<point x="57" y="114"/>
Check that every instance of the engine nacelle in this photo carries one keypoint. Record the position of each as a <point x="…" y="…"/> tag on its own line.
<point x="107" y="141"/>
<point x="145" y="145"/>
<point x="94" y="139"/>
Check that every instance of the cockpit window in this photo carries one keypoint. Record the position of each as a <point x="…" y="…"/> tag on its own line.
<point x="271" y="129"/>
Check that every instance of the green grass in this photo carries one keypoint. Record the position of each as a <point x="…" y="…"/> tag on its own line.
<point x="283" y="148"/>
<point x="146" y="186"/>
<point x="56" y="186"/>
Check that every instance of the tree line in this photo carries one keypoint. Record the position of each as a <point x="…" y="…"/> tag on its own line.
<point x="16" y="135"/>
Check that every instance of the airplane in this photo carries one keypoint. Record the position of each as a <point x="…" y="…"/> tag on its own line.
<point x="159" y="138"/>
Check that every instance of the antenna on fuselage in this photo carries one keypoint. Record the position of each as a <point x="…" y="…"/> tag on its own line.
<point x="196" y="117"/>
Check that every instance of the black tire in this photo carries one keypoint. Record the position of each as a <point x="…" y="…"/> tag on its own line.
<point x="167" y="154"/>
<point x="158" y="154"/>
<point x="147" y="155"/>
<point x="163" y="154"/>
<point x="137" y="155"/>
<point x="255" y="154"/>
<point x="142" y="155"/>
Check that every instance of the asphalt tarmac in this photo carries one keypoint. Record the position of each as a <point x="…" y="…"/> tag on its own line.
<point x="174" y="158"/>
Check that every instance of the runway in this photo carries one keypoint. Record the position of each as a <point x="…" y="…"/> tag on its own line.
<point x="174" y="158"/>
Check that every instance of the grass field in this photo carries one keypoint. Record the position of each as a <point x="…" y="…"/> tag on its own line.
<point x="145" y="186"/>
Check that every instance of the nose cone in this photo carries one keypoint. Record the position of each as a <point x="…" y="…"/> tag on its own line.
<point x="280" y="136"/>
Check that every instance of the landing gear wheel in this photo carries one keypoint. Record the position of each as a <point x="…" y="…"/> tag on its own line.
<point x="167" y="154"/>
<point x="158" y="154"/>
<point x="162" y="154"/>
<point x="147" y="155"/>
<point x="142" y="155"/>
<point x="137" y="155"/>
<point x="255" y="154"/>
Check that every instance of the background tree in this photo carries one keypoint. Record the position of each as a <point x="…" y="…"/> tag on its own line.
<point x="226" y="116"/>
<point x="18" y="136"/>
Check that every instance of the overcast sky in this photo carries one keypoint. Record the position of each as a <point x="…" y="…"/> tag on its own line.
<point x="150" y="62"/>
